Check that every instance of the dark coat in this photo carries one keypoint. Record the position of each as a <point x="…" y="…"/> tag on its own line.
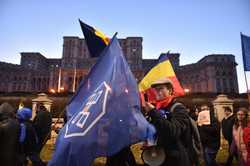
<point x="174" y="134"/>
<point x="227" y="128"/>
<point x="9" y="134"/>
<point x="42" y="124"/>
<point x="30" y="144"/>
<point x="28" y="138"/>
<point x="210" y="134"/>
<point x="123" y="158"/>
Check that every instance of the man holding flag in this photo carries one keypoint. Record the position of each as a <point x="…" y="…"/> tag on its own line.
<point x="170" y="118"/>
<point x="163" y="69"/>
<point x="104" y="114"/>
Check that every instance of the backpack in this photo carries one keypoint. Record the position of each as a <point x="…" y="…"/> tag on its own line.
<point x="24" y="139"/>
<point x="196" y="147"/>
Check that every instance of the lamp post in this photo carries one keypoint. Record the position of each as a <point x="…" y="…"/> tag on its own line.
<point x="187" y="91"/>
<point x="52" y="91"/>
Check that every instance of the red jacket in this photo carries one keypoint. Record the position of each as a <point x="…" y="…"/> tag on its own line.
<point x="246" y="139"/>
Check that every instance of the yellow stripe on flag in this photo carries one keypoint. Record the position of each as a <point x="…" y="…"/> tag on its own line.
<point x="102" y="36"/>
<point x="161" y="70"/>
<point x="21" y="105"/>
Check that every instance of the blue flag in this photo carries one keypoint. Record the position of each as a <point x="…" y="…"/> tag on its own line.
<point x="245" y="44"/>
<point x="104" y="113"/>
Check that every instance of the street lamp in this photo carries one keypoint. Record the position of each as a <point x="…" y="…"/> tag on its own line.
<point x="61" y="89"/>
<point x="52" y="91"/>
<point x="186" y="90"/>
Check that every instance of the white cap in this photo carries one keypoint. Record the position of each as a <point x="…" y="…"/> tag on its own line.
<point x="161" y="81"/>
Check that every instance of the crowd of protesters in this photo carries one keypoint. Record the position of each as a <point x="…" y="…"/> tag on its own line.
<point x="175" y="134"/>
<point x="22" y="139"/>
<point x="235" y="127"/>
<point x="188" y="137"/>
<point x="173" y="130"/>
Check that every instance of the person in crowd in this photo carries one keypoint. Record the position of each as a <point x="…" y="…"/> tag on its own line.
<point x="172" y="124"/>
<point x="209" y="129"/>
<point x="42" y="124"/>
<point x="227" y="129"/>
<point x="9" y="134"/>
<point x="28" y="138"/>
<point x="238" y="145"/>
<point x="194" y="114"/>
<point x="246" y="137"/>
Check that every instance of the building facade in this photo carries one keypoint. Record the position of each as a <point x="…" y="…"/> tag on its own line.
<point x="37" y="73"/>
<point x="214" y="73"/>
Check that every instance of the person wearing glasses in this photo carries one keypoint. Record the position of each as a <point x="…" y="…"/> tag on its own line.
<point x="209" y="128"/>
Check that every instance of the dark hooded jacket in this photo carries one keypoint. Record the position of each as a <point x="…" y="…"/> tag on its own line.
<point x="210" y="134"/>
<point x="30" y="143"/>
<point x="227" y="128"/>
<point x="42" y="124"/>
<point x="9" y="134"/>
<point x="174" y="134"/>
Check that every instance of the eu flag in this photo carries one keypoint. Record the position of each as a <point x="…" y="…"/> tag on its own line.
<point x="104" y="113"/>
<point x="245" y="44"/>
<point x="96" y="40"/>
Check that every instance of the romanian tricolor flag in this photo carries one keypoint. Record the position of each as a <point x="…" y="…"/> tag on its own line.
<point x="163" y="69"/>
<point x="96" y="40"/>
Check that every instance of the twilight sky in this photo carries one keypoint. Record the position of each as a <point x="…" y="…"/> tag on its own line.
<point x="193" y="28"/>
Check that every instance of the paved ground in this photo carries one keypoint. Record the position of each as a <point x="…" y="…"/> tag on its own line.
<point x="49" y="148"/>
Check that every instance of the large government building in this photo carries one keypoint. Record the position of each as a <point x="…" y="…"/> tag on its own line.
<point x="214" y="73"/>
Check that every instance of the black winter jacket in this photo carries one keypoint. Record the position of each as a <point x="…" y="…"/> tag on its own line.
<point x="227" y="128"/>
<point x="9" y="134"/>
<point x="42" y="124"/>
<point x="30" y="144"/>
<point x="210" y="134"/>
<point x="174" y="134"/>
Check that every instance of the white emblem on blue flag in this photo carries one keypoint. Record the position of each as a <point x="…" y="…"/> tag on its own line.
<point x="79" y="124"/>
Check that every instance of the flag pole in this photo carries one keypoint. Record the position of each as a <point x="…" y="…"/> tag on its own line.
<point x="59" y="80"/>
<point x="74" y="81"/>
<point x="248" y="94"/>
